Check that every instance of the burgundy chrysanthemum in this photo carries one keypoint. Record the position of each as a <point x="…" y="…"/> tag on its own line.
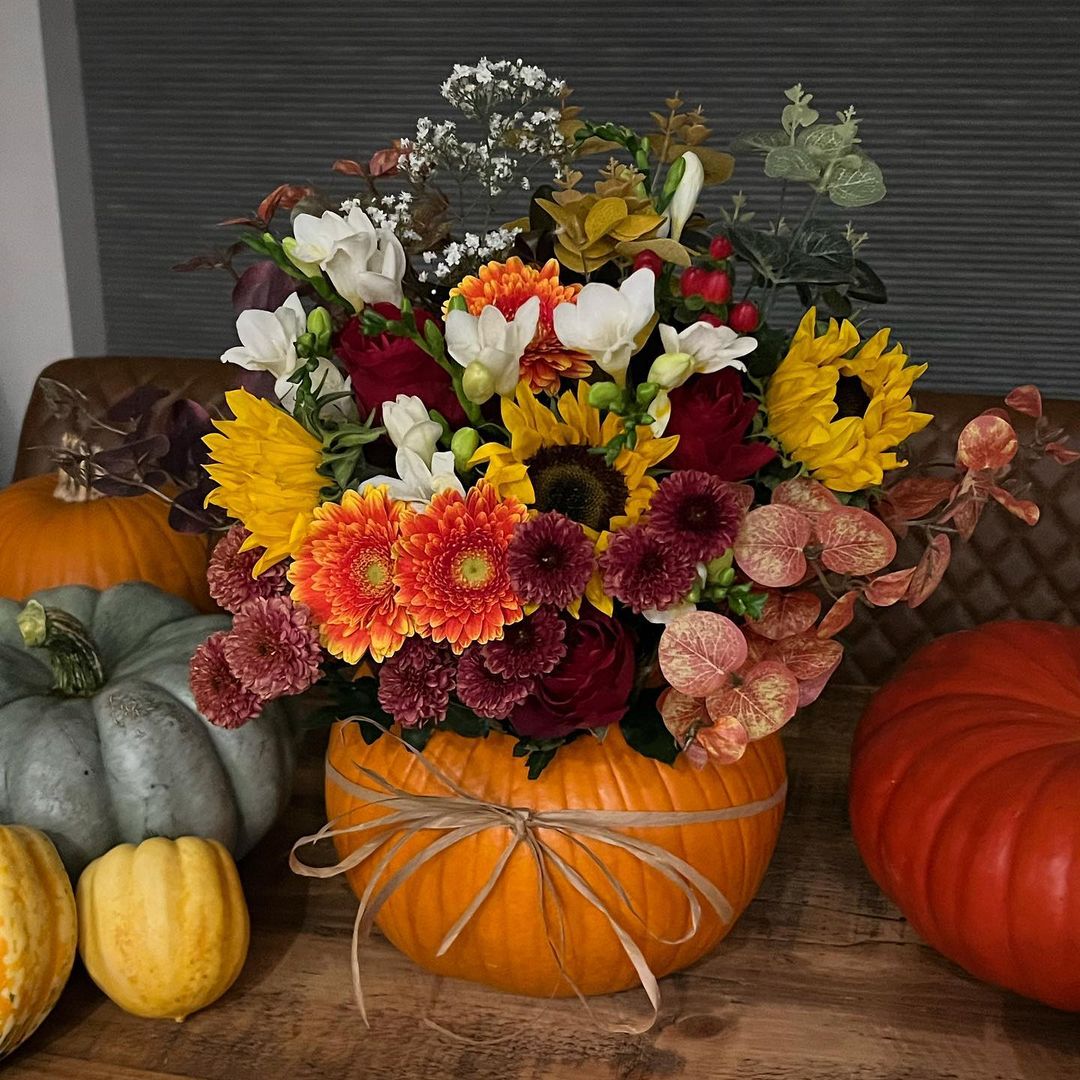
<point x="219" y="695"/>
<point x="415" y="683"/>
<point x="488" y="694"/>
<point x="550" y="560"/>
<point x="531" y="647"/>
<point x="644" y="571"/>
<point x="695" y="511"/>
<point x="229" y="574"/>
<point x="273" y="647"/>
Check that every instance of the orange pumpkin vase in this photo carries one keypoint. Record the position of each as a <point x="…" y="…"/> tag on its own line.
<point x="54" y="533"/>
<point x="507" y="943"/>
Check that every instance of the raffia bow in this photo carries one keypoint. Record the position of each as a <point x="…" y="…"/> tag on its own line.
<point x="461" y="815"/>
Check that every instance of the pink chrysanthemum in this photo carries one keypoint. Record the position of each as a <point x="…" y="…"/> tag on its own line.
<point x="219" y="695"/>
<point x="415" y="683"/>
<point x="531" y="647"/>
<point x="488" y="694"/>
<point x="229" y="574"/>
<point x="550" y="560"/>
<point x="644" y="571"/>
<point x="697" y="512"/>
<point x="273" y="648"/>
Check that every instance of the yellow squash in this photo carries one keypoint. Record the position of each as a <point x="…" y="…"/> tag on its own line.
<point x="163" y="927"/>
<point x="37" y="931"/>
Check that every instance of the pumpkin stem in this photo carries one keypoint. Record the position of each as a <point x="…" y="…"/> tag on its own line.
<point x="73" y="657"/>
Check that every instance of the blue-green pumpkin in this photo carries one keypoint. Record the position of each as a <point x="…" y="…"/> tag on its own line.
<point x="100" y="739"/>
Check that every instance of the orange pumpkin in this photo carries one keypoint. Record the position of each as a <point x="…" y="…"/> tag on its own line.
<point x="505" y="944"/>
<point x="51" y="534"/>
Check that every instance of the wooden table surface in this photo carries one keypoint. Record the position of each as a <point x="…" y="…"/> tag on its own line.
<point x="821" y="978"/>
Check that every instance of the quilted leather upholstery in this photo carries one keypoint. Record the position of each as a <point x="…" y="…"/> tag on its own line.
<point x="1007" y="571"/>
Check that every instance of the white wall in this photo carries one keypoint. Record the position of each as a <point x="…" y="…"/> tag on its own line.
<point x="35" y="319"/>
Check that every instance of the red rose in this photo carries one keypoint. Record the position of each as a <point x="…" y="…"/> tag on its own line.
<point x="384" y="366"/>
<point x="711" y="415"/>
<point x="590" y="686"/>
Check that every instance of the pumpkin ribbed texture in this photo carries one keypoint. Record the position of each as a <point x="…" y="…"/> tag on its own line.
<point x="45" y="541"/>
<point x="965" y="802"/>
<point x="505" y="944"/>
<point x="37" y="932"/>
<point x="163" y="927"/>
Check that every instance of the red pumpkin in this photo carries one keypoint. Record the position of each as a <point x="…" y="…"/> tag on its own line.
<point x="505" y="944"/>
<point x="965" y="803"/>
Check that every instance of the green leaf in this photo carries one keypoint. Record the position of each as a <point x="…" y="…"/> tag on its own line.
<point x="827" y="142"/>
<point x="791" y="163"/>
<point x="643" y="728"/>
<point x="538" y="761"/>
<point x="866" y="285"/>
<point x="765" y="252"/>
<point x="772" y="345"/>
<point x="759" y="142"/>
<point x="856" y="181"/>
<point x="819" y="254"/>
<point x="837" y="303"/>
<point x="797" y="115"/>
<point x="465" y="722"/>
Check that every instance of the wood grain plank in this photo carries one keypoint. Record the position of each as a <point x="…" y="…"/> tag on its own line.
<point x="821" y="980"/>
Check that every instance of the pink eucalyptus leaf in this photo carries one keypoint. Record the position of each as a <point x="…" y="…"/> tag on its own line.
<point x="742" y="493"/>
<point x="839" y="616"/>
<point x="763" y="702"/>
<point x="786" y="613"/>
<point x="810" y="689"/>
<point x="888" y="589"/>
<point x="808" y="656"/>
<point x="913" y="498"/>
<point x="770" y="546"/>
<point x="987" y="442"/>
<point x="805" y="495"/>
<point x="682" y="715"/>
<point x="723" y="739"/>
<point x="1061" y="453"/>
<point x="930" y="570"/>
<point x="698" y="650"/>
<point x="1024" y="509"/>
<point x="854" y="541"/>
<point x="1026" y="400"/>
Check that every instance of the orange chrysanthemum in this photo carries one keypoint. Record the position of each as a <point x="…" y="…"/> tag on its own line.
<point x="451" y="566"/>
<point x="508" y="285"/>
<point x="344" y="572"/>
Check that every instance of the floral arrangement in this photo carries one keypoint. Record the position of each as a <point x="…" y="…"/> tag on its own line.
<point x="552" y="472"/>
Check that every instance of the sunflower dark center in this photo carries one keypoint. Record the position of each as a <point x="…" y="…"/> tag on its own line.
<point x="577" y="483"/>
<point x="851" y="397"/>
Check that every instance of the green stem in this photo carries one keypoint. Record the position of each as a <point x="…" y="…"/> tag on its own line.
<point x="73" y="657"/>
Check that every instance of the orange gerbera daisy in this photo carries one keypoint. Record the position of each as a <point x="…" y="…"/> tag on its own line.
<point x="508" y="285"/>
<point x="451" y="566"/>
<point x="344" y="572"/>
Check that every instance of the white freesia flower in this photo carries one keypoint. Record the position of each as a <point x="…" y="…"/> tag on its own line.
<point x="268" y="339"/>
<point x="606" y="321"/>
<point x="491" y="342"/>
<point x="416" y="482"/>
<point x="410" y="427"/>
<point x="686" y="194"/>
<point x="364" y="264"/>
<point x="698" y="350"/>
<point x="326" y="379"/>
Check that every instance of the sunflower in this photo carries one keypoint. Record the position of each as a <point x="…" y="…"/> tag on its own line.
<point x="508" y="285"/>
<point x="843" y="415"/>
<point x="265" y="465"/>
<point x="550" y="464"/>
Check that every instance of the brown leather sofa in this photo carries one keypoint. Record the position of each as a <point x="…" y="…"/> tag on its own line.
<point x="1008" y="571"/>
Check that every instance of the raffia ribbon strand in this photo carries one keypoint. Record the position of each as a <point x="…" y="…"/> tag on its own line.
<point x="461" y="815"/>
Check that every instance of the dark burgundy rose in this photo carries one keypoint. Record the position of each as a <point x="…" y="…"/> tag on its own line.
<point x="711" y="416"/>
<point x="383" y="366"/>
<point x="590" y="686"/>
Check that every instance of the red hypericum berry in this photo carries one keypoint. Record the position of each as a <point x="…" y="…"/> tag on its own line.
<point x="711" y="319"/>
<point x="717" y="287"/>
<point x="720" y="248"/>
<point x="743" y="317"/>
<point x="650" y="260"/>
<point x="692" y="281"/>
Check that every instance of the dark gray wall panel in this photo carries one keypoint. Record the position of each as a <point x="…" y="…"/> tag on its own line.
<point x="196" y="109"/>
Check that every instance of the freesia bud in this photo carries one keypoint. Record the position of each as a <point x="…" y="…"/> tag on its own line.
<point x="305" y="345"/>
<point x="319" y="322"/>
<point x="605" y="395"/>
<point x="646" y="393"/>
<point x="671" y="369"/>
<point x="686" y="194"/>
<point x="311" y="269"/>
<point x="463" y="445"/>
<point x="478" y="383"/>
